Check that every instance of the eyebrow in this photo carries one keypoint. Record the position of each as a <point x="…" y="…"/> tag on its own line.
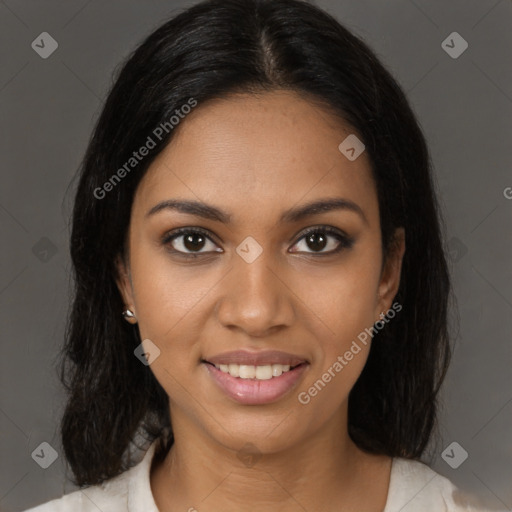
<point x="210" y="212"/>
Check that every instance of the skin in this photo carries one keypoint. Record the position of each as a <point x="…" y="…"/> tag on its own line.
<point x="255" y="156"/>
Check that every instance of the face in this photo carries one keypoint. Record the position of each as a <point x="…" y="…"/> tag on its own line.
<point x="252" y="286"/>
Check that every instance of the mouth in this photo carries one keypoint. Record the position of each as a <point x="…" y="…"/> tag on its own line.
<point x="257" y="372"/>
<point x="256" y="378"/>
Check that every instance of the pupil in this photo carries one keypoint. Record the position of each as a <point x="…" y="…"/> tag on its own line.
<point x="316" y="238"/>
<point x="190" y="244"/>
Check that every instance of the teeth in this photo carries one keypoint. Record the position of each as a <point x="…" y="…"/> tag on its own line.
<point x="245" y="371"/>
<point x="234" y="370"/>
<point x="278" y="369"/>
<point x="264" y="372"/>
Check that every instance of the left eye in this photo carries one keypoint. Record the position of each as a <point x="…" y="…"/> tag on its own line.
<point x="318" y="239"/>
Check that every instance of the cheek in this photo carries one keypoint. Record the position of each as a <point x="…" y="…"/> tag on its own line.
<point x="346" y="305"/>
<point x="169" y="303"/>
<point x="347" y="309"/>
<point x="166" y="293"/>
<point x="169" y="309"/>
<point x="345" y="298"/>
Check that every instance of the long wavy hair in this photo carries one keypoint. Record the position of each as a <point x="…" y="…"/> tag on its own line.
<point x="211" y="50"/>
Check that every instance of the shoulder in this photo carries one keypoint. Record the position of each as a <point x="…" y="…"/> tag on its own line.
<point x="129" y="491"/>
<point x="111" y="495"/>
<point x="415" y="487"/>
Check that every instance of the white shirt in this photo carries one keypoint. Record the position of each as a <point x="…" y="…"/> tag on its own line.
<point x="413" y="487"/>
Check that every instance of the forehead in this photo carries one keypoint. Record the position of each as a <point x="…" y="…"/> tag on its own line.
<point x="250" y="152"/>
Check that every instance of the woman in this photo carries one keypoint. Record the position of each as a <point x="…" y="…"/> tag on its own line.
<point x="261" y="288"/>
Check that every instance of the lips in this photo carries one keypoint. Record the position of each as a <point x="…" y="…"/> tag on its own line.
<point x="262" y="387"/>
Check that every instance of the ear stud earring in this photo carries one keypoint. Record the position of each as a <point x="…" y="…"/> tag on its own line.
<point x="129" y="316"/>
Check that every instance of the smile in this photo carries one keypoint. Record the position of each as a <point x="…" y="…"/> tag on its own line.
<point x="255" y="384"/>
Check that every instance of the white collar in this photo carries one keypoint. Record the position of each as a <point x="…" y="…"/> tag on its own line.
<point x="140" y="496"/>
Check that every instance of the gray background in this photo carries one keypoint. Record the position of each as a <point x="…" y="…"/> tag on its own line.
<point x="48" y="108"/>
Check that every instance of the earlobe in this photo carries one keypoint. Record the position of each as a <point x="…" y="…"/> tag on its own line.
<point x="124" y="285"/>
<point x="390" y="278"/>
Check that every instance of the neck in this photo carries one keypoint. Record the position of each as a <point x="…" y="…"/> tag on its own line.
<point x="327" y="469"/>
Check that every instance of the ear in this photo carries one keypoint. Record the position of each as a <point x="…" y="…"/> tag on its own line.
<point x="124" y="283"/>
<point x="390" y="275"/>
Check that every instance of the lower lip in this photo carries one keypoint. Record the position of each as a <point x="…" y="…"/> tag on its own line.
<point x="254" y="391"/>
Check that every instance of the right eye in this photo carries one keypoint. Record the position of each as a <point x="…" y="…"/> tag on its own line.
<point x="188" y="239"/>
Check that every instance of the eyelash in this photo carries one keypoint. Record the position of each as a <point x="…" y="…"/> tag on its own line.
<point x="345" y="242"/>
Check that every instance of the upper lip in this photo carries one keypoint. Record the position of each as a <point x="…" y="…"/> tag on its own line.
<point x="265" y="357"/>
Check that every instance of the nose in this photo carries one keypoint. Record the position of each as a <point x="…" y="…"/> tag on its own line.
<point x="255" y="299"/>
